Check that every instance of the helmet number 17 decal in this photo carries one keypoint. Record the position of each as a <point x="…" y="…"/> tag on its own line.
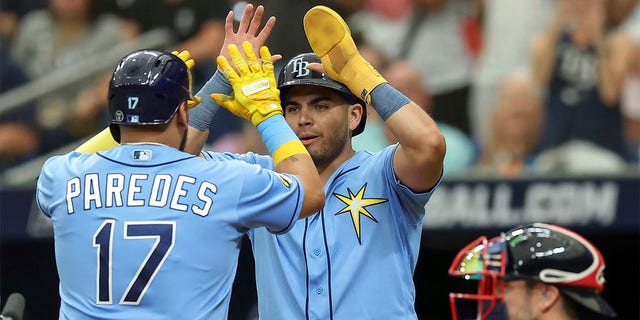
<point x="133" y="102"/>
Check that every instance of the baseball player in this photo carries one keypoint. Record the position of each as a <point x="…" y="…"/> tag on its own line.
<point x="146" y="231"/>
<point x="355" y="258"/>
<point x="535" y="271"/>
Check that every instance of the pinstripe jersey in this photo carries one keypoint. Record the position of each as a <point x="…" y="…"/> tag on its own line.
<point x="148" y="232"/>
<point x="352" y="260"/>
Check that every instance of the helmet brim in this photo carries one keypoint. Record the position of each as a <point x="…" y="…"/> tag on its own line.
<point x="589" y="299"/>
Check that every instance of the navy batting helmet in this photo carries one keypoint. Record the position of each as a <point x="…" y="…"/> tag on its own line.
<point x="295" y="73"/>
<point x="539" y="252"/>
<point x="146" y="88"/>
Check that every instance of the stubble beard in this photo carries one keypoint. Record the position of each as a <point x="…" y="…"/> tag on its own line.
<point x="329" y="149"/>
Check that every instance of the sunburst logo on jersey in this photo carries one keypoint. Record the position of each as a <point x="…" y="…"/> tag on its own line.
<point x="356" y="206"/>
<point x="286" y="181"/>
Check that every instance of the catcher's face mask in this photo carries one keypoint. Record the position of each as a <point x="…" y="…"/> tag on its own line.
<point x="485" y="261"/>
<point x="540" y="252"/>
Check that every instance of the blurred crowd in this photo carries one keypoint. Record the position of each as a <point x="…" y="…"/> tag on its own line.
<point x="527" y="86"/>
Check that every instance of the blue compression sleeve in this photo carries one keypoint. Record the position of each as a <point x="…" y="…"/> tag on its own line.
<point x="275" y="132"/>
<point x="386" y="100"/>
<point x="280" y="140"/>
<point x="201" y="116"/>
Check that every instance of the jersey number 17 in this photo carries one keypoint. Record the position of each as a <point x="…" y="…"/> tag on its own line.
<point x="164" y="233"/>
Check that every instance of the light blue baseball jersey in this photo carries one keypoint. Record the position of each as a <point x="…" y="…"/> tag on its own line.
<point x="148" y="232"/>
<point x="354" y="259"/>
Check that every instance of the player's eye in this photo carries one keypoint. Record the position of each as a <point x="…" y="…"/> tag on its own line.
<point x="291" y="108"/>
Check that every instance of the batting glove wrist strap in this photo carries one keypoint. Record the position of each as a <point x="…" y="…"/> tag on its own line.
<point x="280" y="139"/>
<point x="255" y="94"/>
<point x="330" y="38"/>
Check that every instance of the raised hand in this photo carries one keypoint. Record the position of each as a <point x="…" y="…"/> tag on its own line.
<point x="330" y="38"/>
<point x="255" y="94"/>
<point x="248" y="30"/>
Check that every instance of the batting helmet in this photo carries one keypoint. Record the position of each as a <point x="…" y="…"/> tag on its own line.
<point x="539" y="252"/>
<point x="295" y="73"/>
<point x="146" y="88"/>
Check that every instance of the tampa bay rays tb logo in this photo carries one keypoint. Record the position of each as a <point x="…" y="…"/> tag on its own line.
<point x="356" y="205"/>
<point x="300" y="68"/>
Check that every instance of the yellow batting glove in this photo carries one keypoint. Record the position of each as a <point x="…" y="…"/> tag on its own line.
<point x="255" y="94"/>
<point x="330" y="39"/>
<point x="185" y="56"/>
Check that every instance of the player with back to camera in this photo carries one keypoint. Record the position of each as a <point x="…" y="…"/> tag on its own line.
<point x="535" y="271"/>
<point x="147" y="231"/>
<point x="355" y="258"/>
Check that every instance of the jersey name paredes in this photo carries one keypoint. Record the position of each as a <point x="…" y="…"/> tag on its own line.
<point x="94" y="191"/>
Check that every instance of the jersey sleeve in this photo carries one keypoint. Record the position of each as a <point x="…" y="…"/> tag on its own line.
<point x="249" y="157"/>
<point x="46" y="187"/>
<point x="413" y="203"/>
<point x="269" y="199"/>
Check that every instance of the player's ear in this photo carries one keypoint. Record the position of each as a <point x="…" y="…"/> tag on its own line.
<point x="549" y="296"/>
<point x="356" y="112"/>
<point x="182" y="115"/>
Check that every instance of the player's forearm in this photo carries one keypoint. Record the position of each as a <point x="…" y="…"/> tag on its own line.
<point x="419" y="159"/>
<point x="201" y="116"/>
<point x="417" y="133"/>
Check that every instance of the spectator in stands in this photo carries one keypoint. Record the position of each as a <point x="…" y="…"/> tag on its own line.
<point x="581" y="60"/>
<point x="433" y="37"/>
<point x="507" y="29"/>
<point x="57" y="37"/>
<point x="11" y="12"/>
<point x="514" y="123"/>
<point x="630" y="103"/>
<point x="197" y="26"/>
<point x="18" y="137"/>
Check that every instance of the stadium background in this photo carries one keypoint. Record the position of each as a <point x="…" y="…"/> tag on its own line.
<point x="604" y="208"/>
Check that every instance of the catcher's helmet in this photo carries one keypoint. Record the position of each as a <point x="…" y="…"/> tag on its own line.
<point x="539" y="252"/>
<point x="146" y="88"/>
<point x="295" y="73"/>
